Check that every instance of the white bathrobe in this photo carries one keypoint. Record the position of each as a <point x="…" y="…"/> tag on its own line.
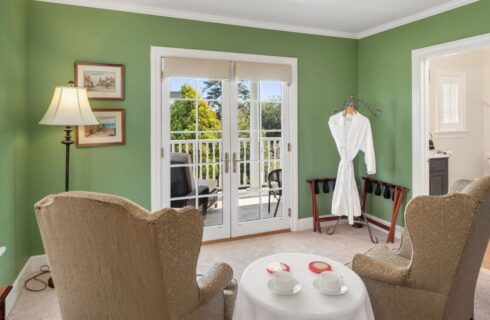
<point x="351" y="134"/>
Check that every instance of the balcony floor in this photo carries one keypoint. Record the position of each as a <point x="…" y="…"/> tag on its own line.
<point x="251" y="207"/>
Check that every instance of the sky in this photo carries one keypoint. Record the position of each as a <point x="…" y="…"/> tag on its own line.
<point x="269" y="90"/>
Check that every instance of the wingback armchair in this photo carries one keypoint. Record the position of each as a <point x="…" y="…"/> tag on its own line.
<point x="111" y="259"/>
<point x="433" y="275"/>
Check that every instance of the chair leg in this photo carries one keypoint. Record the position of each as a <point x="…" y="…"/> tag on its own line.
<point x="205" y="206"/>
<point x="277" y="206"/>
<point x="269" y="206"/>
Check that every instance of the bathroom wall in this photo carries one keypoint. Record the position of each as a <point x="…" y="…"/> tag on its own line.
<point x="468" y="159"/>
<point x="486" y="94"/>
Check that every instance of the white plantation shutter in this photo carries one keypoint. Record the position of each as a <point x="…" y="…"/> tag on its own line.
<point x="451" y="102"/>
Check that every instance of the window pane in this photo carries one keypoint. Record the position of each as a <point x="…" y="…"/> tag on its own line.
<point x="271" y="116"/>
<point x="180" y="87"/>
<point x="182" y="115"/>
<point x="244" y="116"/>
<point x="270" y="91"/>
<point x="244" y="88"/>
<point x="210" y="89"/>
<point x="212" y="209"/>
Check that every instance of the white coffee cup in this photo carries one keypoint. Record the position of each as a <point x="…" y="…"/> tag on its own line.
<point x="331" y="281"/>
<point x="283" y="281"/>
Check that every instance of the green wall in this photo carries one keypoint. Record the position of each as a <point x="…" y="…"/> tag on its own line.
<point x="330" y="69"/>
<point x="385" y="78"/>
<point x="14" y="220"/>
<point x="60" y="34"/>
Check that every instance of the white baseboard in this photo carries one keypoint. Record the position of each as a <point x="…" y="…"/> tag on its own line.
<point x="33" y="264"/>
<point x="398" y="229"/>
<point x="307" y="224"/>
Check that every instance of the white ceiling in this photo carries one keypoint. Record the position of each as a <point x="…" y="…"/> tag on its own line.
<point x="343" y="18"/>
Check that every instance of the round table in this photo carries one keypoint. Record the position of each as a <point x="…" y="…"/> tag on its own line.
<point x="256" y="302"/>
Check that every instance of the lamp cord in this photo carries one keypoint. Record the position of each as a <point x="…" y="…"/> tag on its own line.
<point x="43" y="270"/>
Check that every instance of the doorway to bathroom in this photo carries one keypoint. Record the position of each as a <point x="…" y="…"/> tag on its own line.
<point x="450" y="114"/>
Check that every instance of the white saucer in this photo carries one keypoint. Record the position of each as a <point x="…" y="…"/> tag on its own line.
<point x="343" y="289"/>
<point x="295" y="290"/>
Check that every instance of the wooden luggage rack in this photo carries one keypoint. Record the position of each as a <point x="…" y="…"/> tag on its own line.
<point x="391" y="191"/>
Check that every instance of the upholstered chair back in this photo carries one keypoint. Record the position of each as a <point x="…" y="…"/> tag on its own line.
<point x="449" y="236"/>
<point x="467" y="274"/>
<point x="130" y="264"/>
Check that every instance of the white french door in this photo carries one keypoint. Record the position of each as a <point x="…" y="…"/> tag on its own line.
<point x="259" y="183"/>
<point x="223" y="148"/>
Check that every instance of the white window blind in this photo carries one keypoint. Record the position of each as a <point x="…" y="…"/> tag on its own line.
<point x="451" y="102"/>
<point x="221" y="69"/>
<point x="255" y="71"/>
<point x="196" y="68"/>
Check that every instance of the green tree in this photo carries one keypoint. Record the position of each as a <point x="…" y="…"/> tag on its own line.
<point x="271" y="118"/>
<point x="183" y="116"/>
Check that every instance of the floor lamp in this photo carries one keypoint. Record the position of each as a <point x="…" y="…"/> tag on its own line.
<point x="69" y="107"/>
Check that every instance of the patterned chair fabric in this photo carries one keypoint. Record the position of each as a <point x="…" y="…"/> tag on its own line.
<point x="111" y="259"/>
<point x="433" y="275"/>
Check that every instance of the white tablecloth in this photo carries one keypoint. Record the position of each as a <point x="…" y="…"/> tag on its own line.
<point x="256" y="302"/>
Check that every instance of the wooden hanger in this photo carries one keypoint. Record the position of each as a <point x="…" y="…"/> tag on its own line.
<point x="353" y="104"/>
<point x="350" y="106"/>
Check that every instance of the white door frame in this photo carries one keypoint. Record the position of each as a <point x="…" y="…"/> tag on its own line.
<point x="157" y="54"/>
<point x="420" y="103"/>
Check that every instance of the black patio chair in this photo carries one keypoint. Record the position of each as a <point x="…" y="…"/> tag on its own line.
<point x="182" y="185"/>
<point x="275" y="188"/>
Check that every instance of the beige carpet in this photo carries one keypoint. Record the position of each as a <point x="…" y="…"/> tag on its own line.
<point x="341" y="246"/>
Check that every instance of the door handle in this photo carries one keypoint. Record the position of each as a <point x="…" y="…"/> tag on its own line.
<point x="227" y="162"/>
<point x="235" y="161"/>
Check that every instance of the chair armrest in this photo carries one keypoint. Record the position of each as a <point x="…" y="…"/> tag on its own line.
<point x="373" y="269"/>
<point x="214" y="281"/>
<point x="405" y="249"/>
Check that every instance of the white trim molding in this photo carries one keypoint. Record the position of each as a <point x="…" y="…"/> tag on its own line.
<point x="180" y="14"/>
<point x="415" y="17"/>
<point x="420" y="103"/>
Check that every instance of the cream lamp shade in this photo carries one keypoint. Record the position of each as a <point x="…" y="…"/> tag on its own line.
<point x="69" y="107"/>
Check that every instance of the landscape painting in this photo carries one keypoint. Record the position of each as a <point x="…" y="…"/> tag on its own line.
<point x="103" y="81"/>
<point x="99" y="81"/>
<point x="109" y="131"/>
<point x="105" y="128"/>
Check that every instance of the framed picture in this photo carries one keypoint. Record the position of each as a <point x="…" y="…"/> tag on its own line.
<point x="103" y="81"/>
<point x="109" y="131"/>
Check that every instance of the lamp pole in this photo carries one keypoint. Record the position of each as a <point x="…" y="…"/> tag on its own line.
<point x="67" y="142"/>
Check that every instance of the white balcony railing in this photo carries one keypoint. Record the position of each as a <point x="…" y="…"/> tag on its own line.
<point x="207" y="157"/>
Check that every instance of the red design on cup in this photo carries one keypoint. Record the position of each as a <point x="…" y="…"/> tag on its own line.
<point x="319" y="266"/>
<point x="274" y="267"/>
